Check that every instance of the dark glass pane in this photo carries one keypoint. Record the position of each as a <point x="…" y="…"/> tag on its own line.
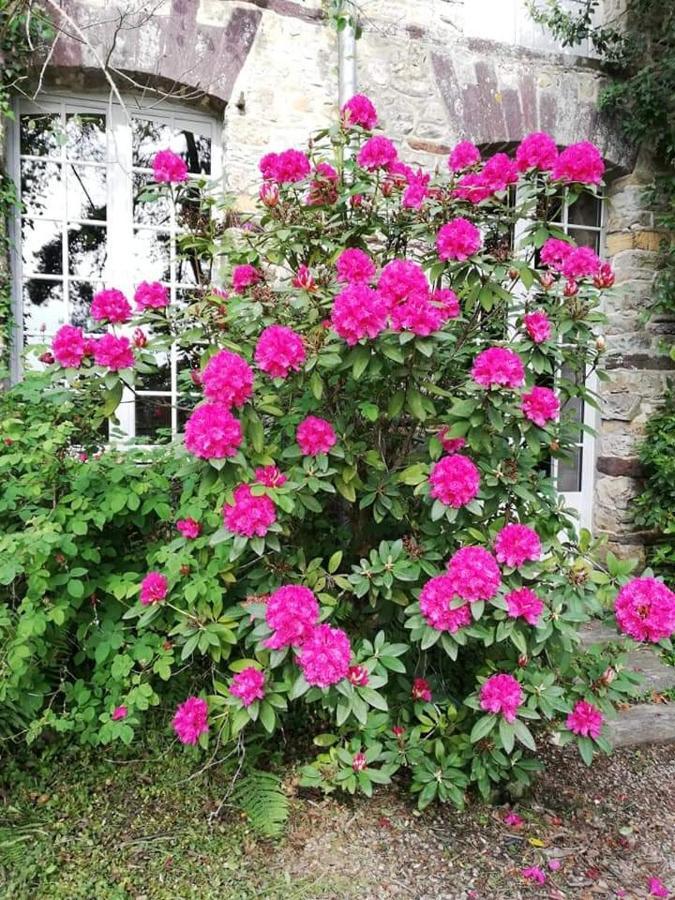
<point x="41" y="188"/>
<point x="585" y="238"/>
<point x="149" y="211"/>
<point x="151" y="256"/>
<point x="149" y="137"/>
<point x="80" y="294"/>
<point x="152" y="415"/>
<point x="41" y="134"/>
<point x="192" y="270"/>
<point x="159" y="380"/>
<point x="86" y="192"/>
<point x="87" y="251"/>
<point x="41" y="247"/>
<point x="195" y="149"/>
<point x="86" y="137"/>
<point x="569" y="472"/>
<point x="555" y="208"/>
<point x="44" y="309"/>
<point x="585" y="210"/>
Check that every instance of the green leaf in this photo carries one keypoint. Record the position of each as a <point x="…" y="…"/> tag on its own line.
<point x="507" y="734"/>
<point x="334" y="561"/>
<point x="482" y="728"/>
<point x="524" y="734"/>
<point x="360" y="359"/>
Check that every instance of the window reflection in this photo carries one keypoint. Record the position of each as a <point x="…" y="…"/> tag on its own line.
<point x="42" y="188"/>
<point x="41" y="247"/>
<point x="41" y="134"/>
<point x="152" y="256"/>
<point x="44" y="309"/>
<point x="85" y="137"/>
<point x="86" y="192"/>
<point x="86" y="251"/>
<point x="153" y="418"/>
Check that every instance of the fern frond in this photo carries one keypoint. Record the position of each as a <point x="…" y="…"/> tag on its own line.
<point x="261" y="797"/>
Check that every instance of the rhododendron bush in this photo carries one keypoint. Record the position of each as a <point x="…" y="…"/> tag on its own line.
<point x="363" y="535"/>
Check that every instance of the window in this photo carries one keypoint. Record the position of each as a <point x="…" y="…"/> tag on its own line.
<point x="82" y="167"/>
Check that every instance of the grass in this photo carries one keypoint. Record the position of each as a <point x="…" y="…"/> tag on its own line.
<point x="81" y="825"/>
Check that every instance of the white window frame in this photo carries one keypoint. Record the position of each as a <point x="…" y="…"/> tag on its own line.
<point x="119" y="269"/>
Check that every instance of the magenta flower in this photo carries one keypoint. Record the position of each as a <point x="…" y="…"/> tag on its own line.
<point x="228" y="379"/>
<point x="435" y="600"/>
<point x="645" y="610"/>
<point x="523" y="603"/>
<point x="154" y="588"/>
<point x="304" y="279"/>
<point x="315" y="435"/>
<point x="538" y="326"/>
<point x="458" y="239"/>
<point x="534" y="873"/>
<point x="269" y="194"/>
<point x="169" y="168"/>
<point x="450" y="445"/>
<point x="69" y="347"/>
<point x="554" y="253"/>
<point x="292" y="612"/>
<point x="419" y="315"/>
<point x="359" y="762"/>
<point x="324" y="656"/>
<point x="498" y="367"/>
<point x="580" y="163"/>
<point x="359" y="110"/>
<point x="537" y="151"/>
<point x="358" y="676"/>
<point x="111" y="306"/>
<point x="475" y="574"/>
<point x="279" y="350"/>
<point x="248" y="685"/>
<point x="119" y="713"/>
<point x="501" y="694"/>
<point x="463" y="155"/>
<point x="249" y="515"/>
<point x="151" y="295"/>
<point x="585" y="720"/>
<point x="447" y="301"/>
<point x="189" y="528"/>
<point x="212" y="432"/>
<point x="190" y="721"/>
<point x="540" y="405"/>
<point x="499" y="172"/>
<point x="354" y="265"/>
<point x="517" y="544"/>
<point x="377" y="153"/>
<point x="358" y="312"/>
<point x="287" y="167"/>
<point x="513" y="820"/>
<point x="454" y="480"/>
<point x="245" y="276"/>
<point x="581" y="262"/>
<point x="421" y="690"/>
<point x="657" y="888"/>
<point x="270" y="476"/>
<point x="113" y="352"/>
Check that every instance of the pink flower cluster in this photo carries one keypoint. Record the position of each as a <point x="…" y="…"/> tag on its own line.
<point x="454" y="480"/>
<point x="354" y="265"/>
<point x="119" y="713"/>
<point x="189" y="528"/>
<point x="538" y="326"/>
<point x="554" y="252"/>
<point x="645" y="610"/>
<point x="190" y="721"/>
<point x="523" y="603"/>
<point x="270" y="476"/>
<point x="315" y="435"/>
<point x="475" y="574"/>
<point x="292" y="612"/>
<point x="496" y="175"/>
<point x="323" y="186"/>
<point x="517" y="544"/>
<point x="463" y="155"/>
<point x="450" y="445"/>
<point x="358" y="312"/>
<point x="540" y="405"/>
<point x="536" y="151"/>
<point x="359" y="110"/>
<point x="417" y="190"/>
<point x="69" y="346"/>
<point x="169" y="168"/>
<point x="245" y="276"/>
<point x="435" y="605"/>
<point x="249" y="515"/>
<point x="212" y="432"/>
<point x="151" y="295"/>
<point x="585" y="720"/>
<point x="377" y="153"/>
<point x="279" y="350"/>
<point x="228" y="378"/>
<point x="248" y="685"/>
<point x="154" y="588"/>
<point x="324" y="656"/>
<point x="501" y="694"/>
<point x="113" y="352"/>
<point x="580" y="163"/>
<point x="458" y="239"/>
<point x="498" y="367"/>
<point x="285" y="168"/>
<point x="110" y="305"/>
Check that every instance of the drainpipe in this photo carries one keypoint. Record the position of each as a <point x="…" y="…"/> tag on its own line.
<point x="347" y="61"/>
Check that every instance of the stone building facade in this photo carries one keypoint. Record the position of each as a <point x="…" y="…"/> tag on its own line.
<point x="439" y="71"/>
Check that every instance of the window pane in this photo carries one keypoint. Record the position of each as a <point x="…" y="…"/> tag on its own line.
<point x="80" y="294"/>
<point x="152" y="415"/>
<point x="41" y="188"/>
<point x="569" y="472"/>
<point x="159" y="380"/>
<point x="86" y="136"/>
<point x="41" y="247"/>
<point x="41" y="134"/>
<point x="585" y="238"/>
<point x="585" y="211"/>
<point x="44" y="309"/>
<point x="86" y="251"/>
<point x="86" y="192"/>
<point x="149" y="137"/>
<point x="149" y="211"/>
<point x="195" y="149"/>
<point x="151" y="254"/>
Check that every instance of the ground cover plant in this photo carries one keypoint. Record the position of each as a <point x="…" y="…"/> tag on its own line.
<point x="357" y="536"/>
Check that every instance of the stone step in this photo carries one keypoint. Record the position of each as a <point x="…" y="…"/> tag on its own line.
<point x="657" y="675"/>
<point x="645" y="723"/>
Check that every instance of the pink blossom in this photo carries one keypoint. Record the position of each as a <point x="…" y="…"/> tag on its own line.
<point x="354" y="265"/>
<point x="292" y="612"/>
<point x="501" y="694"/>
<point x="400" y="280"/>
<point x="324" y="656"/>
<point x="450" y="445"/>
<point x="377" y="153"/>
<point x="113" y="352"/>
<point x="458" y="239"/>
<point x="189" y="528"/>
<point x="540" y="406"/>
<point x="110" y="305"/>
<point x="585" y="720"/>
<point x="645" y="610"/>
<point x="68" y="347"/>
<point x="500" y="171"/>
<point x="454" y="480"/>
<point x="516" y="544"/>
<point x="269" y="194"/>
<point x="228" y="378"/>
<point x="140" y="338"/>
<point x="359" y="762"/>
<point x="154" y="588"/>
<point x="536" y="151"/>
<point x="279" y="350"/>
<point x="249" y="515"/>
<point x="657" y="888"/>
<point x="523" y="603"/>
<point x="418" y="315"/>
<point x="287" y="167"/>
<point x="359" y="110"/>
<point x="534" y="873"/>
<point x="245" y="276"/>
<point x="513" y="819"/>
<point x="473" y="187"/>
<point x="475" y="574"/>
<point x="169" y="168"/>
<point x="498" y="367"/>
<point x="554" y="253"/>
<point x="151" y="295"/>
<point x="304" y="279"/>
<point x="323" y="186"/>
<point x="212" y="432"/>
<point x="435" y="600"/>
<point x="581" y="262"/>
<point x="604" y="277"/>
<point x="580" y="163"/>
<point x="315" y="435"/>
<point x="447" y="301"/>
<point x="358" y="312"/>
<point x="463" y="155"/>
<point x="190" y="721"/>
<point x="554" y="864"/>
<point x="358" y="676"/>
<point x="421" y="690"/>
<point x="120" y="712"/>
<point x="571" y="288"/>
<point x="538" y="326"/>
<point x="248" y="685"/>
<point x="270" y="476"/>
<point x="417" y="191"/>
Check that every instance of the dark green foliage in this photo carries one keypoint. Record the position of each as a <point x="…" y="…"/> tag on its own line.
<point x="261" y="796"/>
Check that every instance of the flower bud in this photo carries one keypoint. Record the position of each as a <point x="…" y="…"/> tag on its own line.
<point x="304" y="279"/>
<point x="546" y="279"/>
<point x="359" y="762"/>
<point x="358" y="675"/>
<point x="47" y="358"/>
<point x="522" y="661"/>
<point x="605" y="276"/>
<point x="571" y="288"/>
<point x="140" y="338"/>
<point x="196" y="377"/>
<point x="269" y="194"/>
<point x="600" y="343"/>
<point x="184" y="570"/>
